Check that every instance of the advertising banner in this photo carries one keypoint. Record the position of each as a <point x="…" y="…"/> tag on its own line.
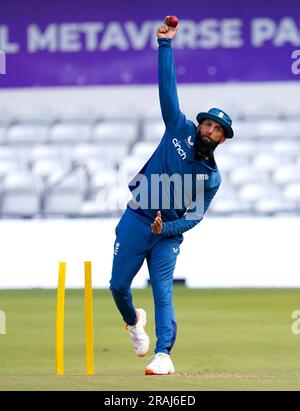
<point x="92" y="42"/>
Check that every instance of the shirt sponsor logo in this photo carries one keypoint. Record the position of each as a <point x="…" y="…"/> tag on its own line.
<point x="189" y="142"/>
<point x="179" y="149"/>
<point x="117" y="246"/>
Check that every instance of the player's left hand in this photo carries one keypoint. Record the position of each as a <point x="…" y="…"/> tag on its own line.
<point x="157" y="225"/>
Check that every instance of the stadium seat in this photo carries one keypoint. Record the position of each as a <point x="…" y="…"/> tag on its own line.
<point x="93" y="166"/>
<point x="255" y="191"/>
<point x="229" y="206"/>
<point x="113" y="152"/>
<point x="109" y="131"/>
<point x="8" y="154"/>
<point x="63" y="203"/>
<point x="44" y="152"/>
<point x="288" y="148"/>
<point x="7" y="167"/>
<point x="153" y="129"/>
<point x="84" y="152"/>
<point x="2" y="134"/>
<point x="271" y="206"/>
<point x="130" y="166"/>
<point x="239" y="148"/>
<point x="113" y="200"/>
<point x="293" y="129"/>
<point x="268" y="161"/>
<point x="144" y="149"/>
<point x="46" y="168"/>
<point x="227" y="162"/>
<point x="104" y="178"/>
<point x="271" y="129"/>
<point x="292" y="192"/>
<point x="27" y="134"/>
<point x="247" y="174"/>
<point x="225" y="192"/>
<point x="70" y="132"/>
<point x="278" y="129"/>
<point x="89" y="209"/>
<point x="90" y="156"/>
<point x="245" y="129"/>
<point x="20" y="197"/>
<point x="287" y="174"/>
<point x="226" y="201"/>
<point x="65" y="197"/>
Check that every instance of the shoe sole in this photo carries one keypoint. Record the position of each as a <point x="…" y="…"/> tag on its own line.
<point x="146" y="352"/>
<point x="151" y="372"/>
<point x="142" y="355"/>
<point x="144" y="326"/>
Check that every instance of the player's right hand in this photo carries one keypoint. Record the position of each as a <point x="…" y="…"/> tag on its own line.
<point x="157" y="225"/>
<point x="165" y="32"/>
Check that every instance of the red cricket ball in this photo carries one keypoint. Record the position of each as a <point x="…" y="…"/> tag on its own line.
<point x="171" y="21"/>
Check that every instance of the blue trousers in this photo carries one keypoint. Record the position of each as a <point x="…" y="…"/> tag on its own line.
<point x="134" y="243"/>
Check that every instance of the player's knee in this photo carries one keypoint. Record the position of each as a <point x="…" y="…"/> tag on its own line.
<point x="118" y="288"/>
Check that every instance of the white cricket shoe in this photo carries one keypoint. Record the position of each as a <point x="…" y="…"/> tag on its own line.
<point x="161" y="365"/>
<point x="138" y="334"/>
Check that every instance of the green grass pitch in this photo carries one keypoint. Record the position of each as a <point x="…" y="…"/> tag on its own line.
<point x="227" y="340"/>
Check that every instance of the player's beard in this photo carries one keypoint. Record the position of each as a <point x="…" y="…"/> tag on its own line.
<point x="204" y="146"/>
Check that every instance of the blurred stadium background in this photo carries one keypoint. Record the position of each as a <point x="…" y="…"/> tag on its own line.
<point x="79" y="115"/>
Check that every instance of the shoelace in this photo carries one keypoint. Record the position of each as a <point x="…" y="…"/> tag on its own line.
<point x="136" y="332"/>
<point x="156" y="356"/>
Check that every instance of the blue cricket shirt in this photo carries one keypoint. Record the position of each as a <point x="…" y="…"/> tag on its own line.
<point x="174" y="158"/>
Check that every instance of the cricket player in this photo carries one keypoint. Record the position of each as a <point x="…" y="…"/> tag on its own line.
<point x="154" y="231"/>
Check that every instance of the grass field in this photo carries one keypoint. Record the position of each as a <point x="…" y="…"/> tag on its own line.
<point x="227" y="340"/>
